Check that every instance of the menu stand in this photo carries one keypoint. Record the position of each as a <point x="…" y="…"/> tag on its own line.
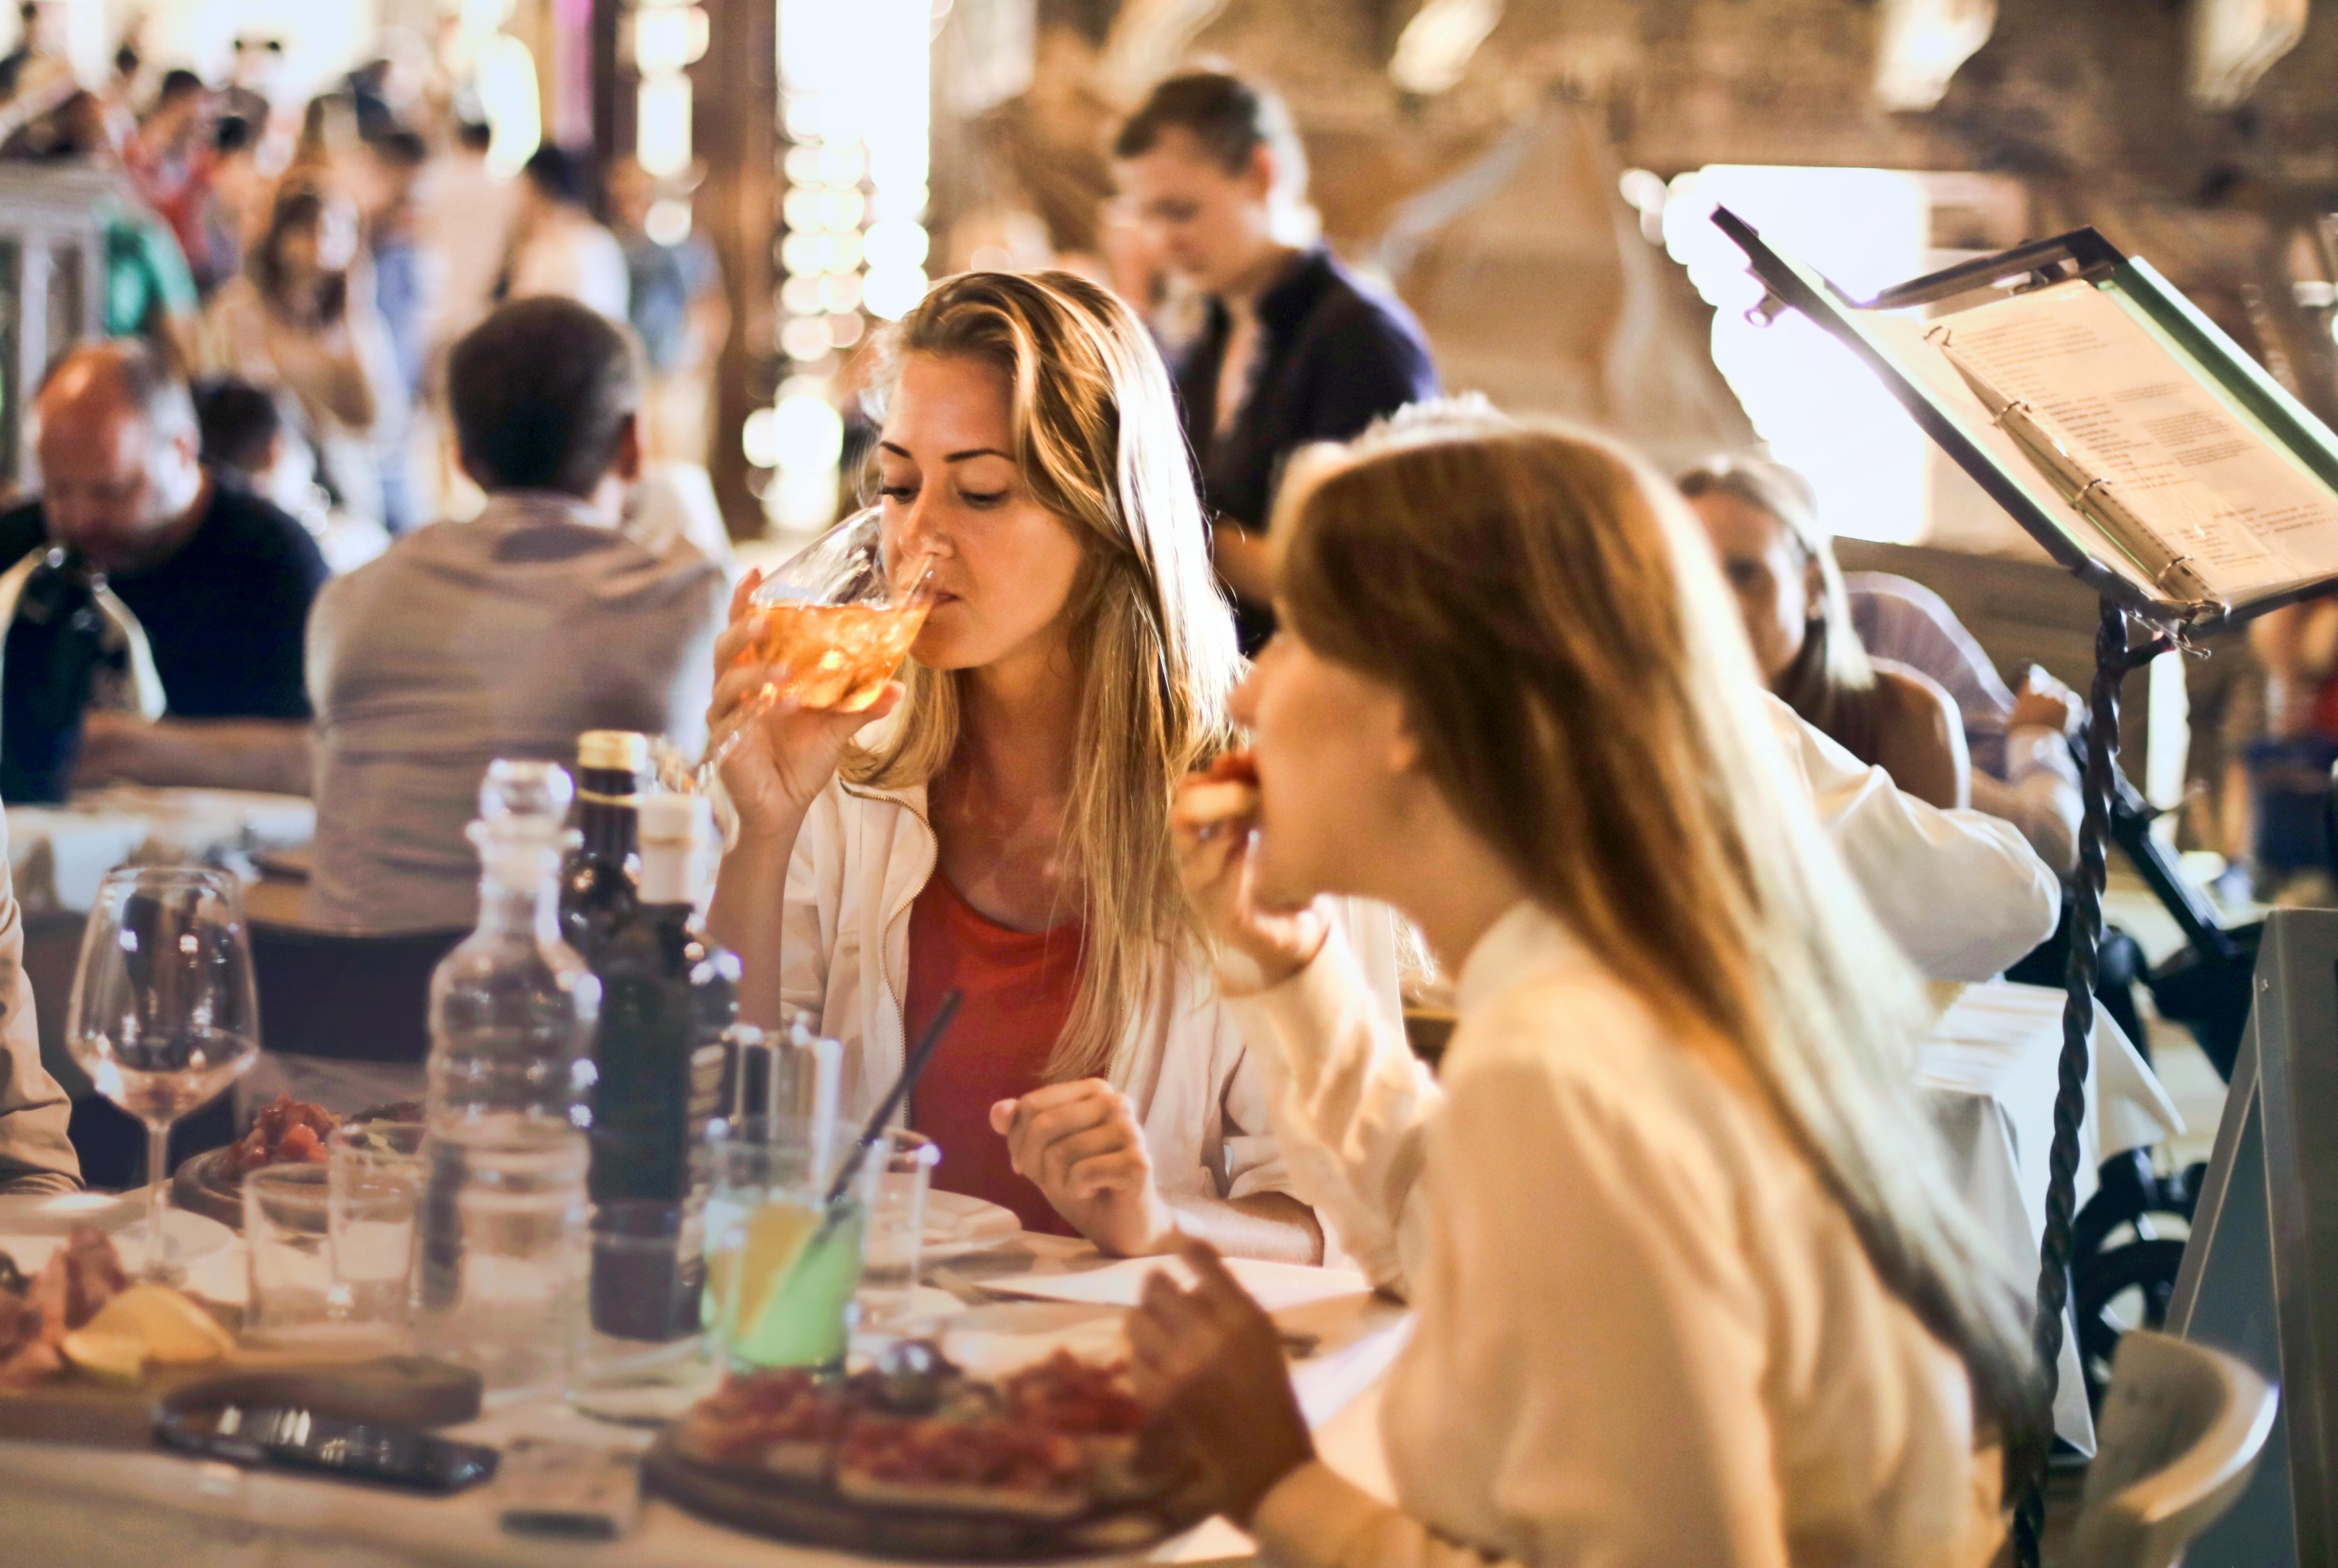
<point x="2129" y="603"/>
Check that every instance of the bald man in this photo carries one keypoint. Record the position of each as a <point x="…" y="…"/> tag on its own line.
<point x="220" y="579"/>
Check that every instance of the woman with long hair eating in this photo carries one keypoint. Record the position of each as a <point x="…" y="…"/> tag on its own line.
<point x="1691" y="1284"/>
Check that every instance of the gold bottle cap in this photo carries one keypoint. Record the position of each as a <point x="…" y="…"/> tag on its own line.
<point x="621" y="751"/>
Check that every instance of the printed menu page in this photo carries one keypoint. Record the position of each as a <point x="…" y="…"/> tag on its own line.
<point x="2216" y="489"/>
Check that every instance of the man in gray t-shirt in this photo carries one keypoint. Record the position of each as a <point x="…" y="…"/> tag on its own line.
<point x="504" y="636"/>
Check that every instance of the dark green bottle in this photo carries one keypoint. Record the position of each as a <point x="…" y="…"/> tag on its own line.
<point x="596" y="883"/>
<point x="667" y="995"/>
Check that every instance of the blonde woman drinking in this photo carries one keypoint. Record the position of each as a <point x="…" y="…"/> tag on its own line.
<point x="1692" y="1287"/>
<point x="1005" y="832"/>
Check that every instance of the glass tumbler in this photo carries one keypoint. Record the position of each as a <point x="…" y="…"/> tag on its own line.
<point x="299" y="1294"/>
<point x="893" y="1234"/>
<point x="374" y="1184"/>
<point x="641" y="1358"/>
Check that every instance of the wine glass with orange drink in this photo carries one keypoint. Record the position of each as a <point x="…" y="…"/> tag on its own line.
<point x="837" y="620"/>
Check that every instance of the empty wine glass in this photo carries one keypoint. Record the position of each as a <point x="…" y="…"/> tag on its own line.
<point x="838" y="618"/>
<point x="164" y="1013"/>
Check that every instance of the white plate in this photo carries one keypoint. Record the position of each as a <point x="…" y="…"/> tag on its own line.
<point x="1276" y="1286"/>
<point x="34" y="1225"/>
<point x="955" y="1223"/>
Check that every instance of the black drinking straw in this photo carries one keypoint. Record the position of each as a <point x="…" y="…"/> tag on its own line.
<point x="911" y="1066"/>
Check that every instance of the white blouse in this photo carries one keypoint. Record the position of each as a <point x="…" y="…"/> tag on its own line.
<point x="1962" y="892"/>
<point x="1645" y="1334"/>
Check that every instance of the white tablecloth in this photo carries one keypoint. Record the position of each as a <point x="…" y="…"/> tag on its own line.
<point x="1989" y="1071"/>
<point x="58" y="854"/>
<point x="83" y="1507"/>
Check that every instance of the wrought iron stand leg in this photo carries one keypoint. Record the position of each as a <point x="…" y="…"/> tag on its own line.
<point x="2112" y="661"/>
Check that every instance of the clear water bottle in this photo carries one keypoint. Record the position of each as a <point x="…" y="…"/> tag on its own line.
<point x="502" y="1242"/>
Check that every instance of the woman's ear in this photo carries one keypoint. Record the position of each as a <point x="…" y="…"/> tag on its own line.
<point x="1813" y="588"/>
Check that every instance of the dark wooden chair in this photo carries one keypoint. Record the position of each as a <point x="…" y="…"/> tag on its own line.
<point x="347" y="998"/>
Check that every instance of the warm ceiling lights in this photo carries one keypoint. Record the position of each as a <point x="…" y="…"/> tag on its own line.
<point x="856" y="103"/>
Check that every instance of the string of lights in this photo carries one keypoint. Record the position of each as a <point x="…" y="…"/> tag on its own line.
<point x="855" y="104"/>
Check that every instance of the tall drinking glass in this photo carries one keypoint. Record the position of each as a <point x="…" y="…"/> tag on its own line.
<point x="164" y="1013"/>
<point x="769" y="1160"/>
<point x="837" y="619"/>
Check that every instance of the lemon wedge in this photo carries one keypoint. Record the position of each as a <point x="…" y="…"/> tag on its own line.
<point x="114" y="1358"/>
<point x="169" y="1328"/>
<point x="775" y="1238"/>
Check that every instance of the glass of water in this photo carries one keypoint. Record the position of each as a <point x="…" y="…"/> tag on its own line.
<point x="375" y="1181"/>
<point x="641" y="1360"/>
<point x="299" y="1295"/>
<point x="902" y="1165"/>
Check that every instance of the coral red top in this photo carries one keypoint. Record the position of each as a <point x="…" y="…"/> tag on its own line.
<point x="1018" y="988"/>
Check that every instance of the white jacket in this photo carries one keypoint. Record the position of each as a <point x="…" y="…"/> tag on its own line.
<point x="861" y="858"/>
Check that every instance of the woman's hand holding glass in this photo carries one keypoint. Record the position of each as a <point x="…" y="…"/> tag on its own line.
<point x="783" y="754"/>
<point x="1210" y="1361"/>
<point x="1081" y="1145"/>
<point x="1212" y="821"/>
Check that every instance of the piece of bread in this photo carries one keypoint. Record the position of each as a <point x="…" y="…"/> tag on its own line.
<point x="1206" y="805"/>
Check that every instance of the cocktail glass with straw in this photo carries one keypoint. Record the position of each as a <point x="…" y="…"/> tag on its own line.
<point x="771" y="1155"/>
<point x="798" y="1314"/>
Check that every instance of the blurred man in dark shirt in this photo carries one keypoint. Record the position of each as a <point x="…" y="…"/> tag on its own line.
<point x="1295" y="349"/>
<point x="220" y="580"/>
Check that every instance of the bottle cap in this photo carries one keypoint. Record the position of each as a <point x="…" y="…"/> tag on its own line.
<point x="541" y="790"/>
<point x="673" y="819"/>
<point x="618" y="751"/>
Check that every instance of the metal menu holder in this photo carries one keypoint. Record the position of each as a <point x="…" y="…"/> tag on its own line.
<point x="2260" y="1275"/>
<point x="2258" y="1279"/>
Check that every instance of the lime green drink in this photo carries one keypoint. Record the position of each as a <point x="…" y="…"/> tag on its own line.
<point x="794" y="1290"/>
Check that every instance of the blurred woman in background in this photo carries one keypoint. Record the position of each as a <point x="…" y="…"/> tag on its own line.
<point x="1763" y="525"/>
<point x="300" y="319"/>
<point x="558" y="246"/>
<point x="1693" y="1284"/>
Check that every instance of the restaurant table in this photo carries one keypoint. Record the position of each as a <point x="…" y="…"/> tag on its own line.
<point x="59" y="854"/>
<point x="122" y="1509"/>
<point x="1988" y="1070"/>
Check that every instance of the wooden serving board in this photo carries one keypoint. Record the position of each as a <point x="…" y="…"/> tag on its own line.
<point x="206" y="1185"/>
<point x="811" y="1513"/>
<point x="410" y="1390"/>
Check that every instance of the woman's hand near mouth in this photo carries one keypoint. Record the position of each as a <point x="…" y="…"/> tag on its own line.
<point x="1212" y="820"/>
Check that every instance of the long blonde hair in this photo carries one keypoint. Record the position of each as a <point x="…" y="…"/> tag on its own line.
<point x="1098" y="441"/>
<point x="1568" y="658"/>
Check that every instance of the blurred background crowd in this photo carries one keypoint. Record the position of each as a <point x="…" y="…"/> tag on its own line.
<point x="303" y="209"/>
<point x="306" y="257"/>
